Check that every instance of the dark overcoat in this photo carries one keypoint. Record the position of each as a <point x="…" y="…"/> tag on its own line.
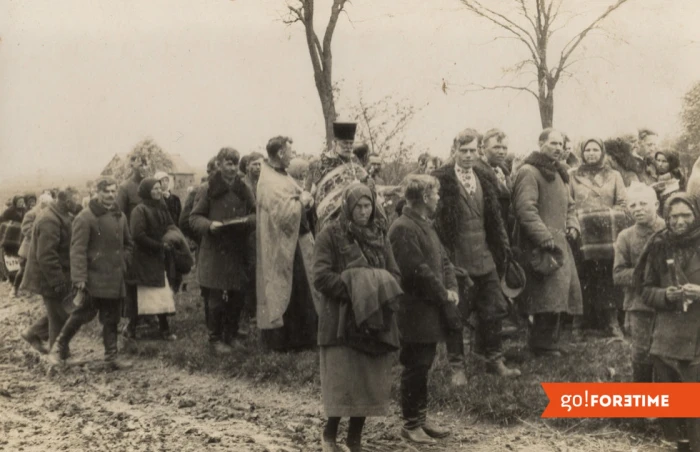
<point x="101" y="246"/>
<point x="426" y="276"/>
<point x="48" y="262"/>
<point x="223" y="255"/>
<point x="149" y="223"/>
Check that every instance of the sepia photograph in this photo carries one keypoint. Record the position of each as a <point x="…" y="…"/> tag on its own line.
<point x="346" y="226"/>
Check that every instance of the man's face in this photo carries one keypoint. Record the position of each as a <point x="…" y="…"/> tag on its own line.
<point x="254" y="168"/>
<point x="467" y="154"/>
<point x="431" y="200"/>
<point x="286" y="154"/>
<point x="73" y="203"/>
<point x="362" y="212"/>
<point x="681" y="217"/>
<point x="643" y="208"/>
<point x="649" y="145"/>
<point x="553" y="147"/>
<point x="496" y="151"/>
<point x="344" y="148"/>
<point x="228" y="167"/>
<point x="107" y="196"/>
<point x="429" y="167"/>
<point x="375" y="168"/>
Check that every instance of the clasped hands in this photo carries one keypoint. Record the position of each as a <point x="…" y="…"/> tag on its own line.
<point x="690" y="292"/>
<point x="571" y="233"/>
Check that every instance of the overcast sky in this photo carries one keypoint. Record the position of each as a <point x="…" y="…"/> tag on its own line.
<point x="81" y="81"/>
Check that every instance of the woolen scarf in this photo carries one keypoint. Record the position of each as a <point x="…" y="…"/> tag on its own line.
<point x="589" y="170"/>
<point x="145" y="188"/>
<point x="667" y="245"/>
<point x="370" y="237"/>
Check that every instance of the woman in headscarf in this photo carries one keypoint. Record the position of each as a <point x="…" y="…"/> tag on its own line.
<point x="669" y="175"/>
<point x="149" y="222"/>
<point x="668" y="275"/>
<point x="600" y="196"/>
<point x="355" y="360"/>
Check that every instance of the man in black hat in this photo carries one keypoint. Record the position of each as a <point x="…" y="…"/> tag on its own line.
<point x="342" y="152"/>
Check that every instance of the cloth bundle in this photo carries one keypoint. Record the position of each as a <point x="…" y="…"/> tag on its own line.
<point x="11" y="234"/>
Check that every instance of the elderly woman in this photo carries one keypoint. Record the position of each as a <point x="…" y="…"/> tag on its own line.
<point x="149" y="222"/>
<point x="668" y="274"/>
<point x="600" y="196"/>
<point x="356" y="354"/>
<point x="669" y="176"/>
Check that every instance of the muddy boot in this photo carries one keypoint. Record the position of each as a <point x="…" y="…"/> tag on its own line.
<point x="109" y="339"/>
<point x="61" y="348"/>
<point x="34" y="341"/>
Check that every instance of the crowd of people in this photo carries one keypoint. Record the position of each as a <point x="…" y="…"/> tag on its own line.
<point x="605" y="238"/>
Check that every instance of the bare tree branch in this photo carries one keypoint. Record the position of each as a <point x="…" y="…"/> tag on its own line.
<point x="576" y="40"/>
<point x="478" y="87"/>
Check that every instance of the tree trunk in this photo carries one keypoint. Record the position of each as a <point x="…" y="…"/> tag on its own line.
<point x="546" y="105"/>
<point x="329" y="115"/>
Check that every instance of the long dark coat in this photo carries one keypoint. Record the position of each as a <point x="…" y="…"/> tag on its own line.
<point x="223" y="256"/>
<point x="48" y="262"/>
<point x="149" y="223"/>
<point x="426" y="276"/>
<point x="544" y="209"/>
<point x="101" y="246"/>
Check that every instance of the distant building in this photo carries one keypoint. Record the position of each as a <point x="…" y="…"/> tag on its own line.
<point x="182" y="175"/>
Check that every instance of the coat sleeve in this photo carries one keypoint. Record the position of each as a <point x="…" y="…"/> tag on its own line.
<point x="620" y="191"/>
<point x="653" y="295"/>
<point x="409" y="256"/>
<point x="80" y="240"/>
<point x="391" y="265"/>
<point x="47" y="253"/>
<point x="128" y="242"/>
<point x="326" y="279"/>
<point x="184" y="219"/>
<point x="139" y="230"/>
<point x="525" y="199"/>
<point x="623" y="267"/>
<point x="449" y="271"/>
<point x="199" y="221"/>
<point x="571" y="217"/>
<point x="28" y="222"/>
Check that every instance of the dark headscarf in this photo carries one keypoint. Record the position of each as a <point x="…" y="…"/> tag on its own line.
<point x="370" y="237"/>
<point x="674" y="167"/>
<point x="667" y="245"/>
<point x="592" y="168"/>
<point x="145" y="188"/>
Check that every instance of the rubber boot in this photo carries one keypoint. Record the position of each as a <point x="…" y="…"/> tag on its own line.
<point x="109" y="339"/>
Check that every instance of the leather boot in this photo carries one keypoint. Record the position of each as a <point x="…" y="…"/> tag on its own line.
<point x="642" y="372"/>
<point x="110" y="337"/>
<point x="69" y="330"/>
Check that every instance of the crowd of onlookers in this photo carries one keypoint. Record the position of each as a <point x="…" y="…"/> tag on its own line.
<point x="326" y="254"/>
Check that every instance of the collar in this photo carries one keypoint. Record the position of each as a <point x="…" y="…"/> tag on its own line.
<point x="410" y="213"/>
<point x="460" y="170"/>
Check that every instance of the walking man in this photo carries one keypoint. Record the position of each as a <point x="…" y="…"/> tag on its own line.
<point x="100" y="247"/>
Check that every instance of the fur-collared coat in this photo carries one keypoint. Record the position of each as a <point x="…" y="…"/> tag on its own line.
<point x="223" y="255"/>
<point x="452" y="213"/>
<point x="544" y="210"/>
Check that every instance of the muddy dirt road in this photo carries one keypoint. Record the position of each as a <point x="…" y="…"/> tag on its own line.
<point x="155" y="407"/>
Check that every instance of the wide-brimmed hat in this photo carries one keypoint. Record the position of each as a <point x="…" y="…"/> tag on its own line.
<point x="546" y="261"/>
<point x="513" y="280"/>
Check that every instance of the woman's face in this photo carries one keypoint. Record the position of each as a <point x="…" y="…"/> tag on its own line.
<point x="661" y="164"/>
<point x="164" y="183"/>
<point x="680" y="218"/>
<point x="156" y="192"/>
<point x="362" y="212"/>
<point x="20" y="203"/>
<point x="592" y="153"/>
<point x="32" y="203"/>
<point x="430" y="166"/>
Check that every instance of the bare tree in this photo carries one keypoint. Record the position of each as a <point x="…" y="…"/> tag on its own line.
<point x="534" y="27"/>
<point x="320" y="53"/>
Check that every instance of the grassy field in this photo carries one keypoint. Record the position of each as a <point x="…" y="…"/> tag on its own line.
<point x="486" y="397"/>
